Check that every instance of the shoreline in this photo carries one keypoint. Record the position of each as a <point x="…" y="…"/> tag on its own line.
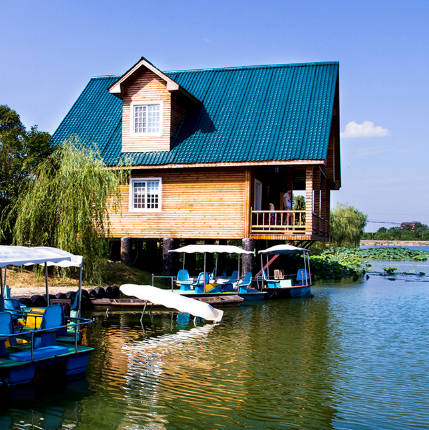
<point x="394" y="243"/>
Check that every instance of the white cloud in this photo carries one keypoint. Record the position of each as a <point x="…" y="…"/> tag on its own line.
<point x="206" y="40"/>
<point x="366" y="129"/>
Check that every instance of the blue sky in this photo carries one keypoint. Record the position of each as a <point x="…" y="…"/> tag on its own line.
<point x="51" y="48"/>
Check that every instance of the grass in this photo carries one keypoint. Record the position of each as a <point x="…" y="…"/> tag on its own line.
<point x="115" y="274"/>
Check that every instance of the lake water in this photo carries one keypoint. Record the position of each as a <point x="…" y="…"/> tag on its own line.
<point x="353" y="356"/>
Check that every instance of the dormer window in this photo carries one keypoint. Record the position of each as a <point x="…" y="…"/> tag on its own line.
<point x="146" y="119"/>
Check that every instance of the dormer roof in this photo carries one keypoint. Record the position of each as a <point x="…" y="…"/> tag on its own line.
<point x="117" y="88"/>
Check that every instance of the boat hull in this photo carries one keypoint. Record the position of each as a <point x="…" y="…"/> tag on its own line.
<point x="24" y="371"/>
<point x="288" y="292"/>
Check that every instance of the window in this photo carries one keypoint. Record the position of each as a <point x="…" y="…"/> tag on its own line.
<point x="147" y="119"/>
<point x="145" y="194"/>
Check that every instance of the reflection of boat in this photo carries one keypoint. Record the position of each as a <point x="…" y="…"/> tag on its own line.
<point x="212" y="285"/>
<point x="53" y="404"/>
<point x="39" y="341"/>
<point x="298" y="285"/>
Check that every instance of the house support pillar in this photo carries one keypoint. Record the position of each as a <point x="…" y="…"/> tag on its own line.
<point x="167" y="257"/>
<point x="309" y="201"/>
<point x="248" y="259"/>
<point x="126" y="250"/>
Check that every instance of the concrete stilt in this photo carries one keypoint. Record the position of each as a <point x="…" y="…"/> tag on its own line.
<point x="126" y="250"/>
<point x="248" y="259"/>
<point x="167" y="257"/>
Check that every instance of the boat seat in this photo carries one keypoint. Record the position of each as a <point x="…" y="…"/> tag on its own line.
<point x="203" y="279"/>
<point x="270" y="283"/>
<point x="184" y="280"/>
<point x="245" y="285"/>
<point x="44" y="352"/>
<point x="53" y="317"/>
<point x="302" y="277"/>
<point x="6" y="327"/>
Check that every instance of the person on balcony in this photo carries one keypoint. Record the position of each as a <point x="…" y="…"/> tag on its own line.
<point x="287" y="202"/>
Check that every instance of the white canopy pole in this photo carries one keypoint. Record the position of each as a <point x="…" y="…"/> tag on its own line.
<point x="46" y="284"/>
<point x="79" y="312"/>
<point x="5" y="271"/>
<point x="1" y="281"/>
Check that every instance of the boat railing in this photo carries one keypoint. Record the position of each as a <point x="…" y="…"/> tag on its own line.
<point x="73" y="322"/>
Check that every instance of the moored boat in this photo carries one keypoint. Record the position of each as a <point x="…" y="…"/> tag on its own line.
<point x="298" y="285"/>
<point x="38" y="342"/>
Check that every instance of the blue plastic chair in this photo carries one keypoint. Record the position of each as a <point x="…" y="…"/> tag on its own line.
<point x="229" y="284"/>
<point x="245" y="285"/>
<point x="13" y="307"/>
<point x="302" y="277"/>
<point x="184" y="280"/>
<point x="1" y="303"/>
<point x="52" y="317"/>
<point x="6" y="327"/>
<point x="270" y="283"/>
<point x="203" y="279"/>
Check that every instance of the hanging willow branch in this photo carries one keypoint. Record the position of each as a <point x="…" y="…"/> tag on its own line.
<point x="67" y="205"/>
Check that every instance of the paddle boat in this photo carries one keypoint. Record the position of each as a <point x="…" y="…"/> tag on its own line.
<point x="38" y="342"/>
<point x="298" y="285"/>
<point x="211" y="285"/>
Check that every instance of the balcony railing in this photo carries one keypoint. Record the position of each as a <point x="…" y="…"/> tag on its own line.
<point x="288" y="222"/>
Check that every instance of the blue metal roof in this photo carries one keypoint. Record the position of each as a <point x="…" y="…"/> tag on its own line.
<point x="255" y="113"/>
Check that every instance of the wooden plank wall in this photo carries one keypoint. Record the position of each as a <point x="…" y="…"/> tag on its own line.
<point x="196" y="204"/>
<point x="145" y="86"/>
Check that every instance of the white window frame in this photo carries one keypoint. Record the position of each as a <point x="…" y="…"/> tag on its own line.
<point x="131" y="198"/>
<point x="132" y="117"/>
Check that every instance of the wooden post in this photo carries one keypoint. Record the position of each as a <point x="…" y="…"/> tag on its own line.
<point x="309" y="201"/>
<point x="324" y="206"/>
<point x="316" y="181"/>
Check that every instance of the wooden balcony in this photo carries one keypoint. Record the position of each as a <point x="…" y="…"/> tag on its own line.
<point x="288" y="225"/>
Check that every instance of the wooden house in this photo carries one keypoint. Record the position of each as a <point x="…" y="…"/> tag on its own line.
<point x="212" y="148"/>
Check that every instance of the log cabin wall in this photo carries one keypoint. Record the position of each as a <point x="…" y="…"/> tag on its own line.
<point x="146" y="86"/>
<point x="196" y="204"/>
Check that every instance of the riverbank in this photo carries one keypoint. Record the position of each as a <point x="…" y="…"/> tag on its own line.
<point x="394" y="243"/>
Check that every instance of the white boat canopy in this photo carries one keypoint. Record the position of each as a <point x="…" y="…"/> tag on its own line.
<point x="173" y="301"/>
<point x="24" y="256"/>
<point x="229" y="249"/>
<point x="43" y="255"/>
<point x="283" y="249"/>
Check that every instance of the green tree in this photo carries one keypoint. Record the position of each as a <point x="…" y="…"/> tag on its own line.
<point x="20" y="153"/>
<point x="346" y="225"/>
<point x="67" y="205"/>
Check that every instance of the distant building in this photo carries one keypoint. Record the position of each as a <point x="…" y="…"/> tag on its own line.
<point x="412" y="224"/>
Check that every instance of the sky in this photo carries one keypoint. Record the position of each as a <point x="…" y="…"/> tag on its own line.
<point x="51" y="48"/>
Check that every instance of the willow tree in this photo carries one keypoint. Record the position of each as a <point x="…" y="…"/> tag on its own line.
<point x="67" y="205"/>
<point x="346" y="225"/>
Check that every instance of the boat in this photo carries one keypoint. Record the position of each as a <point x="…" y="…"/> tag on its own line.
<point x="298" y="285"/>
<point x="39" y="342"/>
<point x="212" y="285"/>
<point x="173" y="301"/>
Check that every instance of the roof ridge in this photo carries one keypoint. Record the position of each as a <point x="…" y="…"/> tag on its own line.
<point x="106" y="77"/>
<point x="260" y="66"/>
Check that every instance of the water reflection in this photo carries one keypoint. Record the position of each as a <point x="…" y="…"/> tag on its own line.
<point x="353" y="356"/>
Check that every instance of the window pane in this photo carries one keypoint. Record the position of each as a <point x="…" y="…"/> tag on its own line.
<point x="139" y="119"/>
<point x="139" y="195"/>
<point x="153" y="119"/>
<point x="152" y="194"/>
